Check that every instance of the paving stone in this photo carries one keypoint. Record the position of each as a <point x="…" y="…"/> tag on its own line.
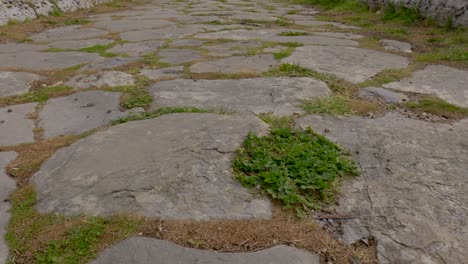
<point x="79" y="44"/>
<point x="108" y="64"/>
<point x="376" y="93"/>
<point x="187" y="43"/>
<point x="142" y="250"/>
<point x="161" y="33"/>
<point x="352" y="64"/>
<point x="164" y="73"/>
<point x="411" y="195"/>
<point x="258" y="95"/>
<point x="129" y="25"/>
<point x="237" y="64"/>
<point x="20" y="47"/>
<point x="232" y="48"/>
<point x="68" y="33"/>
<point x="137" y="49"/>
<point x="445" y="82"/>
<point x="179" y="166"/>
<point x="7" y="185"/>
<point x="46" y="60"/>
<point x="178" y="56"/>
<point x="313" y="23"/>
<point x="14" y="83"/>
<point x="102" y="79"/>
<point x="338" y="35"/>
<point x="15" y="127"/>
<point x="79" y="112"/>
<point x="394" y="45"/>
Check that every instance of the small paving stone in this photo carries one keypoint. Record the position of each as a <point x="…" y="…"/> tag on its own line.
<point x="161" y="33"/>
<point x="20" y="47"/>
<point x="108" y="64"/>
<point x="179" y="166"/>
<point x="103" y="79"/>
<point x="68" y="33"/>
<point x="237" y="64"/>
<point x="137" y="49"/>
<point x="448" y="83"/>
<point x="374" y="93"/>
<point x="164" y="73"/>
<point x="257" y="95"/>
<point x="46" y="60"/>
<point x="15" y="127"/>
<point x="142" y="250"/>
<point x="187" y="43"/>
<point x="394" y="45"/>
<point x="232" y="48"/>
<point x="129" y="25"/>
<point x="14" y="83"/>
<point x="352" y="64"/>
<point x="79" y="44"/>
<point x="7" y="185"/>
<point x="79" y="112"/>
<point x="338" y="35"/>
<point x="178" y="56"/>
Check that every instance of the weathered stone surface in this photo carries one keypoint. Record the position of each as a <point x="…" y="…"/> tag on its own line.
<point x="67" y="33"/>
<point x="339" y="35"/>
<point x="161" y="33"/>
<point x="7" y="185"/>
<point x="187" y="43"/>
<point x="257" y="95"/>
<point x="394" y="45"/>
<point x="129" y="25"/>
<point x="164" y="73"/>
<point x="108" y="63"/>
<point x="231" y="48"/>
<point x="79" y="112"/>
<point x="137" y="49"/>
<point x="178" y="56"/>
<point x="46" y="60"/>
<point x="102" y="79"/>
<point x="376" y="93"/>
<point x="411" y="195"/>
<point x="237" y="64"/>
<point x="447" y="83"/>
<point x="79" y="44"/>
<point x="142" y="250"/>
<point x="15" y="127"/>
<point x="173" y="166"/>
<point x="20" y="47"/>
<point x="314" y="23"/>
<point x="13" y="83"/>
<point x="352" y="64"/>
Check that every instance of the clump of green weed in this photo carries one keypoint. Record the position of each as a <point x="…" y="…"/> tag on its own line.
<point x="438" y="107"/>
<point x="293" y="33"/>
<point x="159" y="112"/>
<point x="335" y="106"/>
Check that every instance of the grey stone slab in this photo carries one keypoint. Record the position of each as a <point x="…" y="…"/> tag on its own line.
<point x="175" y="166"/>
<point x="142" y="250"/>
<point x="164" y="73"/>
<point x="14" y="83"/>
<point x="445" y="82"/>
<point x="314" y="23"/>
<point x="161" y="33"/>
<point x="352" y="64"/>
<point x="258" y="95"/>
<point x="411" y="195"/>
<point x="394" y="45"/>
<point x="376" y="93"/>
<point x="15" y="127"/>
<point x="108" y="63"/>
<point x="79" y="44"/>
<point x="79" y="112"/>
<point x="46" y="60"/>
<point x="237" y="64"/>
<point x="102" y="79"/>
<point x="178" y="56"/>
<point x="130" y="25"/>
<point x="338" y="35"/>
<point x="231" y="48"/>
<point x="20" y="47"/>
<point x="187" y="43"/>
<point x="137" y="49"/>
<point x="67" y="33"/>
<point x="7" y="185"/>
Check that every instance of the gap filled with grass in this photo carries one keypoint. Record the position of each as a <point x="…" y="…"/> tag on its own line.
<point x="135" y="95"/>
<point x="438" y="107"/>
<point x="335" y="106"/>
<point x="159" y="112"/>
<point x="297" y="167"/>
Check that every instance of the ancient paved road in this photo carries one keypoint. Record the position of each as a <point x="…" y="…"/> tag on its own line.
<point x="411" y="197"/>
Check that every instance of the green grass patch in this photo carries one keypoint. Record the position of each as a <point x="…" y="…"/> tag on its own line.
<point x="134" y="95"/>
<point x="293" y="33"/>
<point x="293" y="70"/>
<point x="284" y="53"/>
<point x="42" y="94"/>
<point x="401" y="14"/>
<point x="159" y="112"/>
<point x="277" y="121"/>
<point x="335" y="106"/>
<point x="76" y="21"/>
<point x="101" y="50"/>
<point x="386" y="76"/>
<point x="282" y="22"/>
<point x="438" y="107"/>
<point x="297" y="167"/>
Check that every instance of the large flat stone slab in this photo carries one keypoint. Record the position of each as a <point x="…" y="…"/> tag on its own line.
<point x="174" y="166"/>
<point x="79" y="112"/>
<point x="15" y="127"/>
<point x="137" y="49"/>
<point x="258" y="95"/>
<point x="142" y="250"/>
<point x="79" y="44"/>
<point x="129" y="25"/>
<point x="411" y="196"/>
<point x="445" y="82"/>
<point x="237" y="64"/>
<point x="164" y="73"/>
<point x="178" y="56"/>
<point x="14" y="83"/>
<point x="7" y="185"/>
<point x="102" y="79"/>
<point x="161" y="33"/>
<point x="352" y="64"/>
<point x="67" y="33"/>
<point x="20" y="47"/>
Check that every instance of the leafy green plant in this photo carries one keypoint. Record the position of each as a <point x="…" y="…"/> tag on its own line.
<point x="297" y="167"/>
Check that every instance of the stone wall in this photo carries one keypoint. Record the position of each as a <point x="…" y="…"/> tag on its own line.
<point x="20" y="10"/>
<point x="439" y="10"/>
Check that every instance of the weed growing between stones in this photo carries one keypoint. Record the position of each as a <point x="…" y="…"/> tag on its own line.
<point x="284" y="53"/>
<point x="388" y="76"/>
<point x="436" y="106"/>
<point x="293" y="33"/>
<point x="39" y="95"/>
<point x="134" y="95"/>
<point x="297" y="167"/>
<point x="159" y="112"/>
<point x="277" y="121"/>
<point x="335" y="106"/>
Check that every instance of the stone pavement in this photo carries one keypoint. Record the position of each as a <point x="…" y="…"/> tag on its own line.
<point x="411" y="196"/>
